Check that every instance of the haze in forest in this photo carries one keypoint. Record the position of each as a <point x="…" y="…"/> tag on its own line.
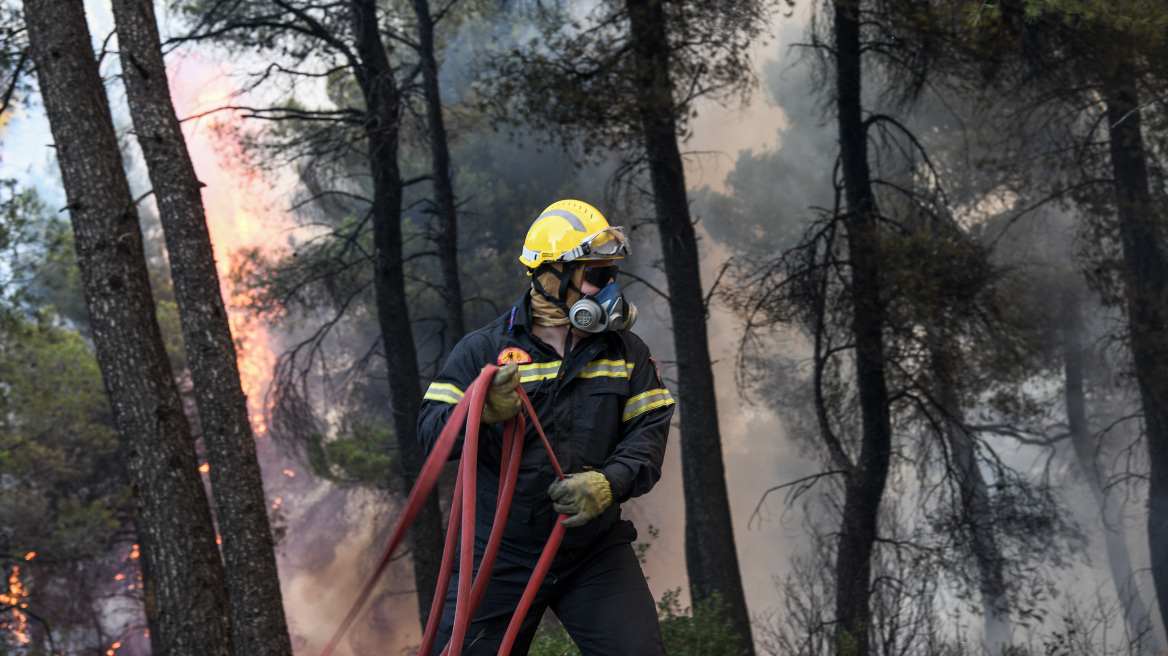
<point x="995" y="265"/>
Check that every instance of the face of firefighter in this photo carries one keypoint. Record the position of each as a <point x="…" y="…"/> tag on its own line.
<point x="603" y="306"/>
<point x="589" y="287"/>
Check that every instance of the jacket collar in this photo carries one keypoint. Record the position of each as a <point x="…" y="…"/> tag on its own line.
<point x="521" y="314"/>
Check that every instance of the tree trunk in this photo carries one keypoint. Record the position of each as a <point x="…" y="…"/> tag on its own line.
<point x="187" y="590"/>
<point x="1128" y="593"/>
<point x="1146" y="272"/>
<point x="710" y="554"/>
<point x="382" y="103"/>
<point x="446" y="238"/>
<point x="144" y="551"/>
<point x="864" y="486"/>
<point x="976" y="510"/>
<point x="257" y="609"/>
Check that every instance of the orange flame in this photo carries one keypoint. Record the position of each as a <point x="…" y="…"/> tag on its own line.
<point x="15" y="599"/>
<point x="229" y="197"/>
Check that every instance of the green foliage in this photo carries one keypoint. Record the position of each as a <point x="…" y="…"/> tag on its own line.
<point x="37" y="249"/>
<point x="63" y="497"/>
<point x="703" y="630"/>
<point x="59" y="482"/>
<point x="171" y="326"/>
<point x="1144" y="17"/>
<point x="367" y="456"/>
<point x="576" y="77"/>
<point x="15" y="64"/>
<point x="553" y="643"/>
<point x="642" y="548"/>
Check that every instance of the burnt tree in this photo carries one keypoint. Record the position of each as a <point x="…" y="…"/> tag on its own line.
<point x="186" y="594"/>
<point x="441" y="177"/>
<point x="257" y="609"/>
<point x="864" y="483"/>
<point x="375" y="76"/>
<point x="710" y="556"/>
<point x="1145" y="244"/>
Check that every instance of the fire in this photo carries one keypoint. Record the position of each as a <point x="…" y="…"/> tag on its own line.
<point x="15" y="601"/>
<point x="289" y="473"/>
<point x="276" y="505"/>
<point x="234" y="217"/>
<point x="30" y="555"/>
<point x="204" y="468"/>
<point x="119" y="577"/>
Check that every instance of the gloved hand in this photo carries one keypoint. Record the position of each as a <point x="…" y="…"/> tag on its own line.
<point x="583" y="496"/>
<point x="503" y="397"/>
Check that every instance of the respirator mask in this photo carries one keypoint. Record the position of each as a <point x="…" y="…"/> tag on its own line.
<point x="607" y="309"/>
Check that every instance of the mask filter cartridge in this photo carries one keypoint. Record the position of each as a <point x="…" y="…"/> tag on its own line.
<point x="606" y="310"/>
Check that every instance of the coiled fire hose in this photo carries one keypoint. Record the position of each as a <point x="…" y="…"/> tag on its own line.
<point x="468" y="413"/>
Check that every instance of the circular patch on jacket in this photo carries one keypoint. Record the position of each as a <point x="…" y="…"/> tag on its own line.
<point x="514" y="354"/>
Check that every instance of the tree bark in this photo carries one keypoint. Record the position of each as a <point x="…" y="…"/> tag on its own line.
<point x="446" y="237"/>
<point x="1118" y="559"/>
<point x="710" y="554"/>
<point x="257" y="609"/>
<point x="187" y="589"/>
<point x="864" y="486"/>
<point x="144" y="551"/>
<point x="382" y="102"/>
<point x="1146" y="278"/>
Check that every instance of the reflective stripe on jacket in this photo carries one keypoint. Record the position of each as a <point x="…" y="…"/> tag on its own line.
<point x="603" y="406"/>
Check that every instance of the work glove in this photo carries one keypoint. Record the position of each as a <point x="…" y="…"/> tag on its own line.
<point x="503" y="397"/>
<point x="583" y="496"/>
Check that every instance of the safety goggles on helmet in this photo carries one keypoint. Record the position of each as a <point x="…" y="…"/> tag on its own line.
<point x="608" y="243"/>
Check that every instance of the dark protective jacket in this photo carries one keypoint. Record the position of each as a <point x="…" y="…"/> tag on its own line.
<point x="603" y="406"/>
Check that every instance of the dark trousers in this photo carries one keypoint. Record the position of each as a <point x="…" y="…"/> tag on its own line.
<point x="600" y="597"/>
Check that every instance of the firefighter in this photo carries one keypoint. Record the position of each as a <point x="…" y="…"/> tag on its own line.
<point x="599" y="396"/>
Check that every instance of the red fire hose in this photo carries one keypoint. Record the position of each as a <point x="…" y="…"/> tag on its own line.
<point x="468" y="413"/>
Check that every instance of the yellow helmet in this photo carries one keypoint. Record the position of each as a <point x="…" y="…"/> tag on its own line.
<point x="572" y="230"/>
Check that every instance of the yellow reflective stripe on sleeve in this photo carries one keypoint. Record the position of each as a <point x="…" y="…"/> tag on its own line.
<point x="607" y="368"/>
<point x="646" y="401"/>
<point x="538" y="371"/>
<point x="444" y="392"/>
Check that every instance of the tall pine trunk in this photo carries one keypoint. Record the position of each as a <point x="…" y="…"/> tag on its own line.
<point x="1146" y="277"/>
<point x="1118" y="558"/>
<point x="382" y="103"/>
<point x="864" y="486"/>
<point x="710" y="555"/>
<point x="186" y="594"/>
<point x="257" y="609"/>
<point x="446" y="237"/>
